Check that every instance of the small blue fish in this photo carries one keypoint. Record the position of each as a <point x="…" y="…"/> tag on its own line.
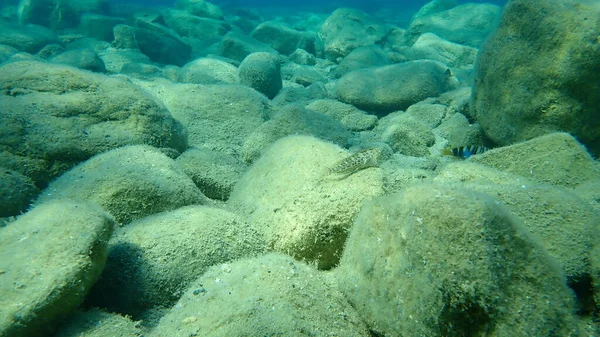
<point x="464" y="152"/>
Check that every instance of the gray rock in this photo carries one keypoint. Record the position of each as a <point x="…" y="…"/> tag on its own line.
<point x="49" y="259"/>
<point x="157" y="42"/>
<point x="208" y="71"/>
<point x="431" y="47"/>
<point x="237" y="46"/>
<point x="98" y="323"/>
<point x="16" y="192"/>
<point x="405" y="134"/>
<point x="274" y="295"/>
<point x="347" y="29"/>
<point x="538" y="74"/>
<point x="284" y="38"/>
<point x="200" y="8"/>
<point x="351" y="117"/>
<point x="151" y="261"/>
<point x="303" y="210"/>
<point x="302" y="57"/>
<point x="467" y="24"/>
<point x="440" y="260"/>
<point x="6" y="52"/>
<point x="84" y="58"/>
<point x="395" y="87"/>
<point x="188" y="25"/>
<point x="362" y="57"/>
<point x="129" y="182"/>
<point x="30" y="38"/>
<point x="218" y="117"/>
<point x="215" y="173"/>
<point x="563" y="224"/>
<point x="99" y="26"/>
<point x="557" y="159"/>
<point x="57" y="116"/>
<point x="293" y="120"/>
<point x="262" y="72"/>
<point x="57" y="14"/>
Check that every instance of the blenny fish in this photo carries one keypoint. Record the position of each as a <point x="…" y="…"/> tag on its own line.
<point x="360" y="160"/>
<point x="464" y="152"/>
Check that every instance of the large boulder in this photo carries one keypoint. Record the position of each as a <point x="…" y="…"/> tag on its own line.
<point x="303" y="210"/>
<point x="217" y="116"/>
<point x="347" y="29"/>
<point x="29" y="38"/>
<point x="437" y="260"/>
<point x="467" y="24"/>
<point x="262" y="72"/>
<point x="138" y="275"/>
<point x="159" y="43"/>
<point x="538" y="73"/>
<point x="49" y="259"/>
<point x="129" y="182"/>
<point x="56" y="116"/>
<point x="394" y="87"/>
<point x="272" y="295"/>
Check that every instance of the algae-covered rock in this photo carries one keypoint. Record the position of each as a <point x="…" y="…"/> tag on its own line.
<point x="98" y="323"/>
<point x="405" y="134"/>
<point x="151" y="261"/>
<point x="237" y="46"/>
<point x="362" y="57"/>
<point x="200" y="8"/>
<point x="265" y="296"/>
<point x="395" y="87"/>
<point x="16" y="192"/>
<point x="284" y="38"/>
<point x="130" y="182"/>
<point x="303" y="210"/>
<point x="262" y="72"/>
<point x="557" y="159"/>
<point x="538" y="73"/>
<point x="189" y="25"/>
<point x="293" y="120"/>
<point x="467" y="24"/>
<point x="208" y="71"/>
<point x="55" y="116"/>
<point x="49" y="259"/>
<point x="439" y="260"/>
<point x="83" y="58"/>
<point x="347" y="29"/>
<point x="215" y="173"/>
<point x="432" y="47"/>
<point x="217" y="116"/>
<point x="563" y="222"/>
<point x="352" y="118"/>
<point x="30" y="38"/>
<point x="57" y="14"/>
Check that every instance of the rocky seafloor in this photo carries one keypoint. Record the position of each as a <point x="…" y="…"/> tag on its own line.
<point x="207" y="171"/>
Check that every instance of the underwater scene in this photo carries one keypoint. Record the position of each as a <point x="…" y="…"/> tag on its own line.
<point x="344" y="168"/>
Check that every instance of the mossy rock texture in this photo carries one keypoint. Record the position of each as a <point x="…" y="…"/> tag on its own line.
<point x="56" y="116"/>
<point x="538" y="73"/>
<point x="271" y="295"/>
<point x="153" y="260"/>
<point x="438" y="260"/>
<point x="130" y="183"/>
<point x="49" y="259"/>
<point x="303" y="210"/>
